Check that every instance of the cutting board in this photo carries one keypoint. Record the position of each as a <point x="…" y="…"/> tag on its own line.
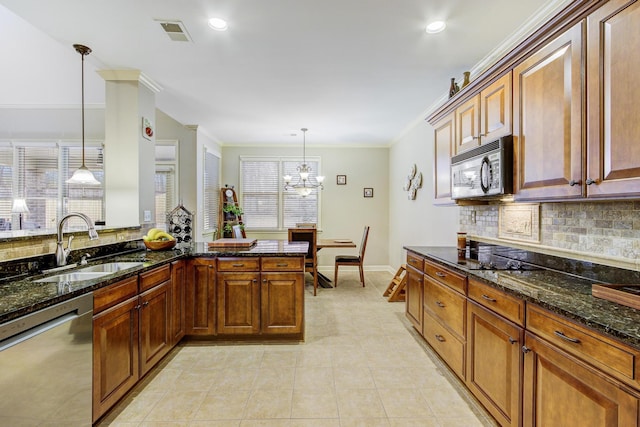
<point x="232" y="243"/>
<point x="628" y="295"/>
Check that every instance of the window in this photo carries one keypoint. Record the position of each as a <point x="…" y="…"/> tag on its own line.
<point x="37" y="173"/>
<point x="265" y="203"/>
<point x="165" y="180"/>
<point x="211" y="189"/>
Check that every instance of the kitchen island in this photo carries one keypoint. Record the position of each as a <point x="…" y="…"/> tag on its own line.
<point x="140" y="312"/>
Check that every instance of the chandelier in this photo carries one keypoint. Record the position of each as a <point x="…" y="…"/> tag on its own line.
<point x="303" y="186"/>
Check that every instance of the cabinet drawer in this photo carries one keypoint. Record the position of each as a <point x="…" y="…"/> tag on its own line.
<point x="450" y="348"/>
<point x="239" y="264"/>
<point x="114" y="294"/>
<point x="446" y="305"/>
<point x="414" y="260"/>
<point x="154" y="277"/>
<point x="450" y="278"/>
<point x="497" y="301"/>
<point x="282" y="263"/>
<point x="597" y="349"/>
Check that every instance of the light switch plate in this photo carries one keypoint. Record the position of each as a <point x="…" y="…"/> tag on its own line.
<point x="147" y="216"/>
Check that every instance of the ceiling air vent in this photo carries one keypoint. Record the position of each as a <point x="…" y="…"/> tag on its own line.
<point x="175" y="30"/>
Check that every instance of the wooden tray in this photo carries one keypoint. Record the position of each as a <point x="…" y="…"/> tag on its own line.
<point x="628" y="295"/>
<point x="233" y="243"/>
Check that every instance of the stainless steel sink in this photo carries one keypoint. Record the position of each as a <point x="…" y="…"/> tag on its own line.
<point x="91" y="272"/>
<point x="111" y="267"/>
<point x="76" y="276"/>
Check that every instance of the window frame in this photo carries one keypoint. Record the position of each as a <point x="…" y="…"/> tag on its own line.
<point x="281" y="192"/>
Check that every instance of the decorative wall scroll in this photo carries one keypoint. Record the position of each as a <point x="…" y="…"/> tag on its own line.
<point x="412" y="182"/>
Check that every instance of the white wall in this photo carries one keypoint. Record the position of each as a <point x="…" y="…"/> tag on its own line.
<point x="345" y="211"/>
<point x="416" y="222"/>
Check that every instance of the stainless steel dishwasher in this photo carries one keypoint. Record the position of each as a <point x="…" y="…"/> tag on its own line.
<point x="46" y="366"/>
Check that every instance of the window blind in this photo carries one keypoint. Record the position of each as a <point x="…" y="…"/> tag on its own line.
<point x="211" y="189"/>
<point x="165" y="180"/>
<point x="265" y="203"/>
<point x="6" y="183"/>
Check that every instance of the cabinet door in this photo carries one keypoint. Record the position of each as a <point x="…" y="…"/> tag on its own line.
<point x="559" y="390"/>
<point x="200" y="297"/>
<point x="612" y="98"/>
<point x="548" y="120"/>
<point x="282" y="303"/>
<point x="177" y="324"/>
<point x="496" y="110"/>
<point x="467" y="134"/>
<point x="413" y="297"/>
<point x="444" y="132"/>
<point x="115" y="354"/>
<point x="238" y="303"/>
<point x="154" y="325"/>
<point x="494" y="363"/>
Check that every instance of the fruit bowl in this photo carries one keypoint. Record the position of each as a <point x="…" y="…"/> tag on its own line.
<point x="159" y="245"/>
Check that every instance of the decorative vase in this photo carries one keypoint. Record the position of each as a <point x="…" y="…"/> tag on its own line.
<point x="452" y="88"/>
<point x="466" y="79"/>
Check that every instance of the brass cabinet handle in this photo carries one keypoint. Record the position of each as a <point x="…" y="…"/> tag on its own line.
<point x="590" y="181"/>
<point x="566" y="338"/>
<point x="440" y="274"/>
<point x="440" y="338"/>
<point x="439" y="304"/>
<point x="488" y="298"/>
<point x="574" y="182"/>
<point x="237" y="265"/>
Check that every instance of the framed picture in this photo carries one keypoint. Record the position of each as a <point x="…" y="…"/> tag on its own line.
<point x="341" y="179"/>
<point x="368" y="192"/>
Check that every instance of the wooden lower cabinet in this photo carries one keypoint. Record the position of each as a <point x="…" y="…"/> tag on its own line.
<point x="561" y="390"/>
<point x="116" y="365"/>
<point x="494" y="363"/>
<point x="448" y="345"/>
<point x="238" y="303"/>
<point x="177" y="324"/>
<point x="414" y="297"/>
<point x="155" y="319"/>
<point x="200" y="297"/>
<point x="282" y="303"/>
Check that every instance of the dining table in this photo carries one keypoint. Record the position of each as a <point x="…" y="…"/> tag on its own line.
<point x="323" y="280"/>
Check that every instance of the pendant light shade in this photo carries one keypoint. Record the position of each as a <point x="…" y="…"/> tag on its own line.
<point x="83" y="175"/>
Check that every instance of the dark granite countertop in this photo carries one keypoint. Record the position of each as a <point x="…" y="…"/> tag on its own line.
<point x="566" y="294"/>
<point x="24" y="296"/>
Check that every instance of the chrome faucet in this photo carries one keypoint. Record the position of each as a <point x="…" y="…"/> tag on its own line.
<point x="61" y="252"/>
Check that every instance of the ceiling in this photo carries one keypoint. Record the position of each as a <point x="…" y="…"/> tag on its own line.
<point x="355" y="72"/>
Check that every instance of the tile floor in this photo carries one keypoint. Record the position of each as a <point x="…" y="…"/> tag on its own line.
<point x="361" y="364"/>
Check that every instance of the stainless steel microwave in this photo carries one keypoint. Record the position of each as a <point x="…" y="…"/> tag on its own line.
<point x="483" y="172"/>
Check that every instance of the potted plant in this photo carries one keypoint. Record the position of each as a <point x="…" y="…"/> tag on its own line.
<point x="232" y="211"/>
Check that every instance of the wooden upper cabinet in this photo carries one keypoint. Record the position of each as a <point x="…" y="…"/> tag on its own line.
<point x="496" y="110"/>
<point x="548" y="120"/>
<point x="444" y="132"/>
<point x="467" y="133"/>
<point x="485" y="117"/>
<point x="613" y="167"/>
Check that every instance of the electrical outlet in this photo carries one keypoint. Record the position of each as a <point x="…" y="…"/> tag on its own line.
<point x="473" y="217"/>
<point x="147" y="216"/>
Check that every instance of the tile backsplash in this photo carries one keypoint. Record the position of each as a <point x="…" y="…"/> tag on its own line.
<point x="607" y="229"/>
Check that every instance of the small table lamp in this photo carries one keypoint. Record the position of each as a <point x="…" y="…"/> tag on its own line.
<point x="20" y="207"/>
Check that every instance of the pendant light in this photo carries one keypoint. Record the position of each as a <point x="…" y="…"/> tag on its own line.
<point x="303" y="186"/>
<point x="83" y="175"/>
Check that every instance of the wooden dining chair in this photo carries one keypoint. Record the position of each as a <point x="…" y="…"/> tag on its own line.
<point x="311" y="259"/>
<point x="353" y="260"/>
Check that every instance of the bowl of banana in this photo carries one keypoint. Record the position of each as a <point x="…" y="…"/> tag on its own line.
<point x="158" y="240"/>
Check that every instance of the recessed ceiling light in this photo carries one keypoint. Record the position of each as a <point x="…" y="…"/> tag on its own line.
<point x="218" y="24"/>
<point x="436" y="27"/>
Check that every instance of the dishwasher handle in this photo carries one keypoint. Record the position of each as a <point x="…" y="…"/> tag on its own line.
<point x="23" y="328"/>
